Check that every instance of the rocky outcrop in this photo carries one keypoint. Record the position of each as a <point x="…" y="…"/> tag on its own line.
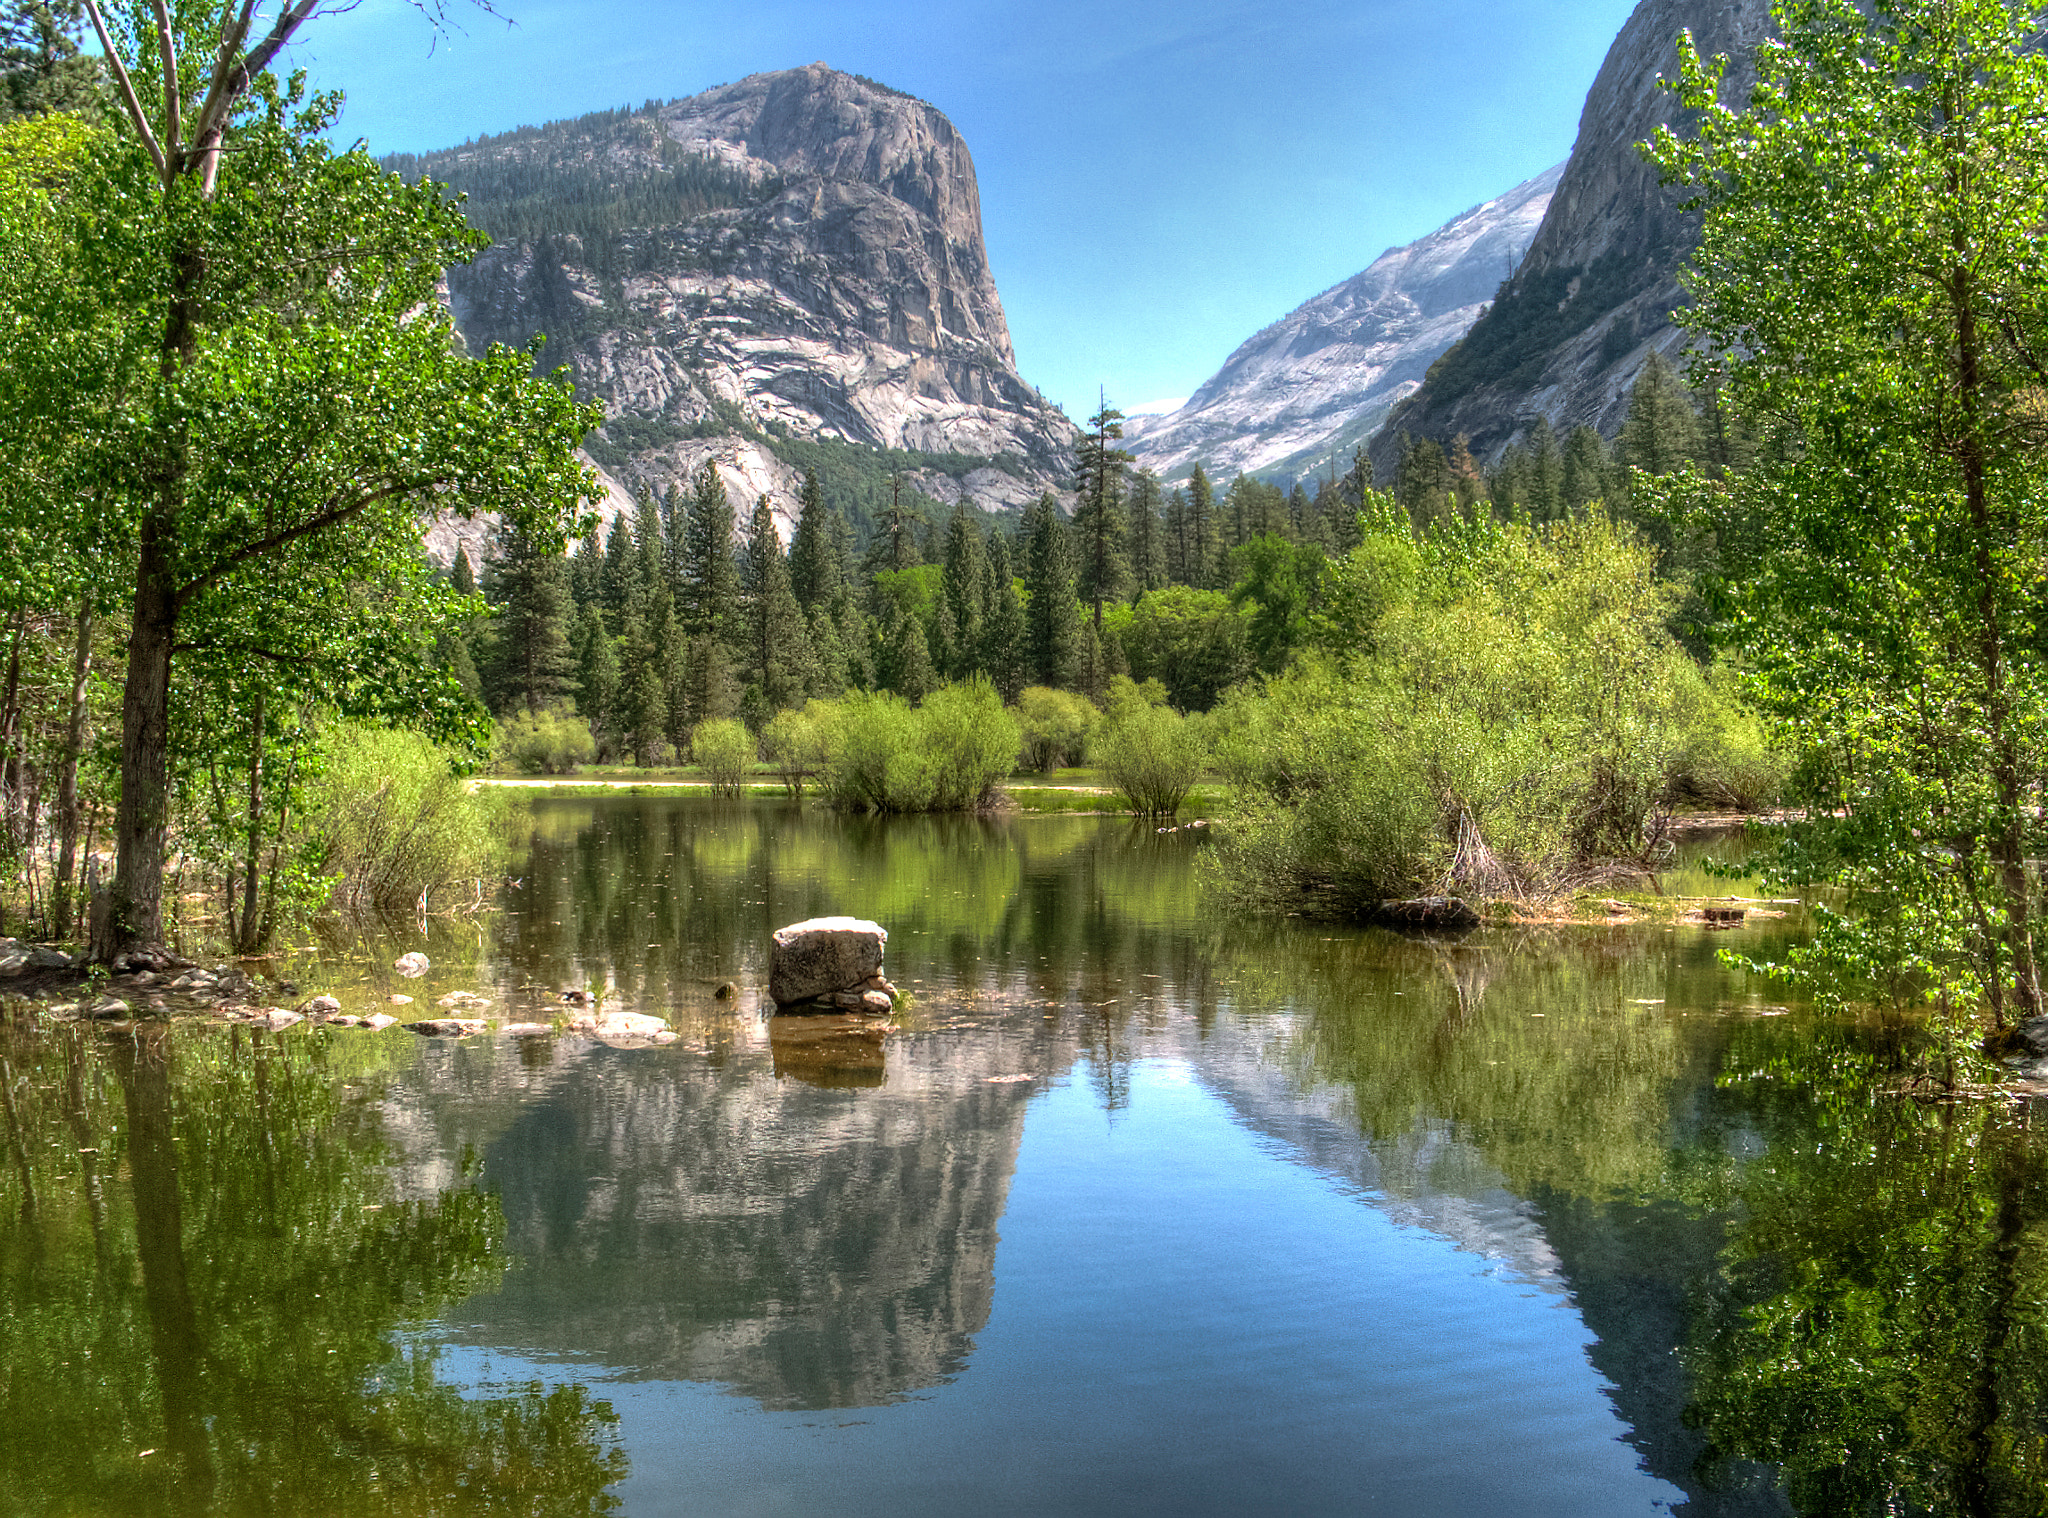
<point x="1303" y="393"/>
<point x="1591" y="301"/>
<point x="798" y="255"/>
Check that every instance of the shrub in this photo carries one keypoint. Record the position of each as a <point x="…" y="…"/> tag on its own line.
<point x="1150" y="752"/>
<point x="1055" y="726"/>
<point x="1514" y="719"/>
<point x="797" y="744"/>
<point x="395" y="824"/>
<point x="553" y="742"/>
<point x="883" y="755"/>
<point x="970" y="742"/>
<point x="724" y="749"/>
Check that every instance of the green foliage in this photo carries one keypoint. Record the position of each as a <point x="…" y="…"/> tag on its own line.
<point x="1194" y="642"/>
<point x="1150" y="752"/>
<point x="797" y="745"/>
<point x="549" y="742"/>
<point x="724" y="749"/>
<point x="1054" y="727"/>
<point x="1513" y="718"/>
<point x="396" y="826"/>
<point x="1871" y="275"/>
<point x="948" y="755"/>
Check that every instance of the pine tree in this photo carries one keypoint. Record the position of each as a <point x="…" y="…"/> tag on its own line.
<point x="533" y="664"/>
<point x="961" y="591"/>
<point x="1546" y="501"/>
<point x="1148" y="546"/>
<point x="904" y="663"/>
<point x="650" y="553"/>
<point x="621" y="573"/>
<point x="1422" y="482"/>
<point x="644" y="684"/>
<point x="461" y="576"/>
<point x="1661" y="434"/>
<point x="1099" y="530"/>
<point x="1002" y="622"/>
<point x="598" y="696"/>
<point x="1051" y="616"/>
<point x="817" y="567"/>
<point x="780" y="647"/>
<point x="709" y="599"/>
<point x="1205" y="566"/>
<point x="1353" y="491"/>
<point x="1468" y="486"/>
<point x="1587" y="469"/>
<point x="586" y="570"/>
<point x="895" y="543"/>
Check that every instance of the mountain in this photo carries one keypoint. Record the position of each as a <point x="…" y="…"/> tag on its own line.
<point x="1318" y="382"/>
<point x="1592" y="299"/>
<point x="782" y="272"/>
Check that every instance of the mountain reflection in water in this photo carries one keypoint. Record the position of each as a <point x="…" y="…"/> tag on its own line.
<point x="1142" y="1208"/>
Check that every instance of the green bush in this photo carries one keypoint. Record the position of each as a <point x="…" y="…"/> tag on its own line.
<point x="883" y="755"/>
<point x="797" y="743"/>
<point x="1150" y="752"/>
<point x="1513" y="719"/>
<point x="1055" y="726"/>
<point x="396" y="826"/>
<point x="724" y="750"/>
<point x="553" y="742"/>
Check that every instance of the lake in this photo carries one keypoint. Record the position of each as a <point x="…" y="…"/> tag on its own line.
<point x="1145" y="1208"/>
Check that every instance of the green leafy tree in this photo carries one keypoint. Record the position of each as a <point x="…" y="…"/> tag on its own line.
<point x="276" y="387"/>
<point x="1872" y="278"/>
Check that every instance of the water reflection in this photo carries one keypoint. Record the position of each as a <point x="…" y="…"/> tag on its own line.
<point x="206" y="1281"/>
<point x="1797" y="1294"/>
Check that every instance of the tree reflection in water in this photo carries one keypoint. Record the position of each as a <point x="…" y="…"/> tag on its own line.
<point x="206" y="1286"/>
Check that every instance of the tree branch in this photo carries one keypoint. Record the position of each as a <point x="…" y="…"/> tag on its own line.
<point x="333" y="516"/>
<point x="174" y="109"/>
<point x="135" y="114"/>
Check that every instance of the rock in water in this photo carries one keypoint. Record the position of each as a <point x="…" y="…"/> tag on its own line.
<point x="412" y="965"/>
<point x="823" y="955"/>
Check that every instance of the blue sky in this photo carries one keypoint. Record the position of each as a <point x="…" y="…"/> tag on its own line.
<point x="1158" y="180"/>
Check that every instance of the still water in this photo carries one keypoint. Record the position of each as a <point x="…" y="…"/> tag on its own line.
<point x="1145" y="1209"/>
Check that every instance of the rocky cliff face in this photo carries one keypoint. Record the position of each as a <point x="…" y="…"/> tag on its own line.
<point x="1592" y="299"/>
<point x="797" y="256"/>
<point x="1317" y="383"/>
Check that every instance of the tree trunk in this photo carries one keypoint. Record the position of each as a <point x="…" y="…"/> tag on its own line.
<point x="249" y="939"/>
<point x="133" y="911"/>
<point x="67" y="783"/>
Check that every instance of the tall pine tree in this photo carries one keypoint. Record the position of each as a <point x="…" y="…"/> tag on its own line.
<point x="779" y="655"/>
<point x="1052" y="619"/>
<point x="1148" y="544"/>
<point x="1099" y="531"/>
<point x="961" y="590"/>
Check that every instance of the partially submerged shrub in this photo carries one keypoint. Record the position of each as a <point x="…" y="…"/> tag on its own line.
<point x="396" y="825"/>
<point x="552" y="742"/>
<point x="724" y="750"/>
<point x="1150" y="752"/>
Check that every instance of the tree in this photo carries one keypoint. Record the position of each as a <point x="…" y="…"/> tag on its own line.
<point x="532" y="661"/>
<point x="817" y="566"/>
<point x="1052" y="620"/>
<point x="1872" y="288"/>
<point x="41" y="68"/>
<point x="598" y="677"/>
<point x="1661" y="434"/>
<point x="961" y="594"/>
<point x="779" y="652"/>
<point x="277" y="391"/>
<point x="1148" y="547"/>
<point x="1099" y="510"/>
<point x="1203" y="552"/>
<point x="1002" y="622"/>
<point x="1588" y="469"/>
